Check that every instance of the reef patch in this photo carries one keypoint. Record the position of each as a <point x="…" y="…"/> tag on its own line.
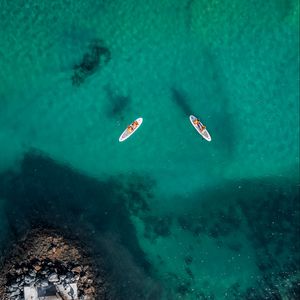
<point x="97" y="56"/>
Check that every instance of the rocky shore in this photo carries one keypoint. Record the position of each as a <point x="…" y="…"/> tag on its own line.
<point x="48" y="262"/>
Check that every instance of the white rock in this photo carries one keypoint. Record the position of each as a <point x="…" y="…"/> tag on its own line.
<point x="28" y="279"/>
<point x="15" y="293"/>
<point x="44" y="283"/>
<point x="12" y="288"/>
<point x="53" y="277"/>
<point x="67" y="280"/>
<point x="62" y="277"/>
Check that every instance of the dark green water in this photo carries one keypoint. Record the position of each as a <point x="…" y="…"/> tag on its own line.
<point x="173" y="216"/>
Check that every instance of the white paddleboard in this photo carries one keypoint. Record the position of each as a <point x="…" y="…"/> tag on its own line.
<point x="127" y="133"/>
<point x="203" y="132"/>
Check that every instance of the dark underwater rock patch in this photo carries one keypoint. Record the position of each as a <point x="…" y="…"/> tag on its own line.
<point x="136" y="192"/>
<point x="189" y="272"/>
<point x="157" y="226"/>
<point x="268" y="219"/>
<point x="98" y="55"/>
<point x="194" y="223"/>
<point x="273" y="221"/>
<point x="266" y="289"/>
<point x="46" y="194"/>
<point x="188" y="259"/>
<point x="184" y="288"/>
<point x="235" y="246"/>
<point x="216" y="223"/>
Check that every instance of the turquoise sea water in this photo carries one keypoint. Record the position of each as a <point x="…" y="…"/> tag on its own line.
<point x="183" y="218"/>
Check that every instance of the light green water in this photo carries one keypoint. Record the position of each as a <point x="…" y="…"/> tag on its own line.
<point x="232" y="63"/>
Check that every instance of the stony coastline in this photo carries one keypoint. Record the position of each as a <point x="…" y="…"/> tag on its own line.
<point x="45" y="259"/>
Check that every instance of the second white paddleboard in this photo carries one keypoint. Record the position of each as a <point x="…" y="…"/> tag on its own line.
<point x="200" y="128"/>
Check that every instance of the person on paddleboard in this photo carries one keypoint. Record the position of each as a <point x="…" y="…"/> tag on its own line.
<point x="198" y="124"/>
<point x="133" y="126"/>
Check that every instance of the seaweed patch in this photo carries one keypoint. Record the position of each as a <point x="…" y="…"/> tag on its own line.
<point x="268" y="221"/>
<point x="98" y="55"/>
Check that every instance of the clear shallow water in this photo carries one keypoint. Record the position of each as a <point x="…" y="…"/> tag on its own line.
<point x="227" y="204"/>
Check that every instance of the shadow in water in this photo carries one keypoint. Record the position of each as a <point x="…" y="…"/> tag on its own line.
<point x="217" y="91"/>
<point x="117" y="103"/>
<point x="188" y="9"/>
<point x="181" y="100"/>
<point x="46" y="194"/>
<point x="212" y="102"/>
